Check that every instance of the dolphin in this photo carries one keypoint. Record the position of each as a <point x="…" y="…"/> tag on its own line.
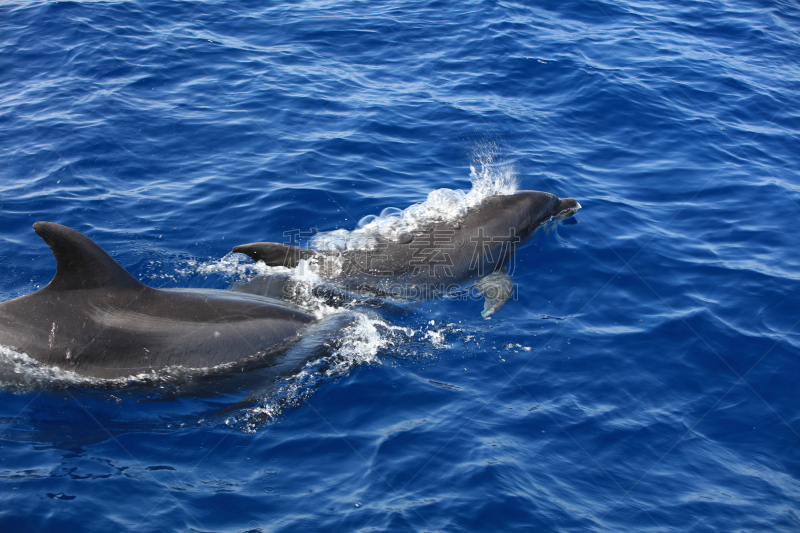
<point x="437" y="260"/>
<point x="95" y="319"/>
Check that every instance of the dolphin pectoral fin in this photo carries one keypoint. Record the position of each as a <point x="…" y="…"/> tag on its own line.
<point x="497" y="289"/>
<point x="274" y="254"/>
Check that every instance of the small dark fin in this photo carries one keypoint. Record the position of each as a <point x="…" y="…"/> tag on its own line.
<point x="80" y="263"/>
<point x="274" y="254"/>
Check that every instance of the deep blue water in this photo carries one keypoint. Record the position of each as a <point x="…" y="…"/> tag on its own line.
<point x="644" y="380"/>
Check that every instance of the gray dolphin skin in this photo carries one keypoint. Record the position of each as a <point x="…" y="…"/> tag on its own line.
<point x="432" y="262"/>
<point x="95" y="319"/>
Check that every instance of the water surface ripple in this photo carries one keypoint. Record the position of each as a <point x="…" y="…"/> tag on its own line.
<point x="643" y="380"/>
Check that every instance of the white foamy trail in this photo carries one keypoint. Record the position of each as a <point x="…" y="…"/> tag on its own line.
<point x="360" y="343"/>
<point x="491" y="175"/>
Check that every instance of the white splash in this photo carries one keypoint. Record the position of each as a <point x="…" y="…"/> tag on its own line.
<point x="436" y="337"/>
<point x="491" y="175"/>
<point x="363" y="340"/>
<point x="231" y="265"/>
<point x="359" y="343"/>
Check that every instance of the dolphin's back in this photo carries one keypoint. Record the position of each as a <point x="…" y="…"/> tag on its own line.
<point x="111" y="325"/>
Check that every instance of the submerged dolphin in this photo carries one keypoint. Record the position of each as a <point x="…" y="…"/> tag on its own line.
<point x="94" y="318"/>
<point x="438" y="260"/>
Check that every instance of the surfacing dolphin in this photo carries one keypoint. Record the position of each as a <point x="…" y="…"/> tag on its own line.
<point x="438" y="260"/>
<point x="94" y="318"/>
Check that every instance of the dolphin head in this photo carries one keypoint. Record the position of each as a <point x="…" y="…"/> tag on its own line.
<point x="523" y="212"/>
<point x="543" y="206"/>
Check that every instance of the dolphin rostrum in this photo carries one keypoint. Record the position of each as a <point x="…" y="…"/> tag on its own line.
<point x="436" y="260"/>
<point x="94" y="318"/>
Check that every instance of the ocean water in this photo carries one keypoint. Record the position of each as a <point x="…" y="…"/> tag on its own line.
<point x="644" y="376"/>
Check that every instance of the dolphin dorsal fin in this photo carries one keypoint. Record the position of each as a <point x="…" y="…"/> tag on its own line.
<point x="80" y="263"/>
<point x="274" y="254"/>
